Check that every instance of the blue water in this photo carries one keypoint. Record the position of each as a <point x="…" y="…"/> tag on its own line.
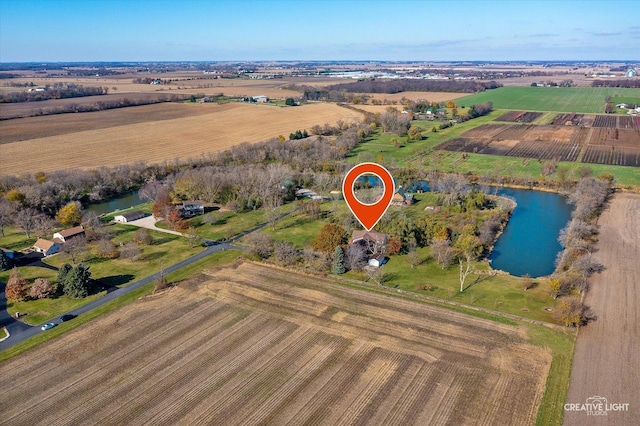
<point x="529" y="243"/>
<point x="120" y="203"/>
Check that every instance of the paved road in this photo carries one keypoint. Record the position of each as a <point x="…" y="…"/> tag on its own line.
<point x="20" y="331"/>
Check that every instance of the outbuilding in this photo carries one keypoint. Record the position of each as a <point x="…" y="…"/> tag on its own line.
<point x="129" y="216"/>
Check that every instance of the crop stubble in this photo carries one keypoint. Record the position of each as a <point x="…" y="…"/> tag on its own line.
<point x="166" y="139"/>
<point x="260" y="345"/>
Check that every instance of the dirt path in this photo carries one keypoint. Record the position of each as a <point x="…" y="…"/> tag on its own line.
<point x="607" y="357"/>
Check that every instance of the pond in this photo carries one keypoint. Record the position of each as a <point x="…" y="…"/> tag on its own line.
<point x="119" y="203"/>
<point x="529" y="243"/>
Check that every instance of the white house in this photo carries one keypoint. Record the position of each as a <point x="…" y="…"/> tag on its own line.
<point x="631" y="73"/>
<point x="46" y="247"/>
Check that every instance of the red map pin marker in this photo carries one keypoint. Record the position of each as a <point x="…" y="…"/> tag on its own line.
<point x="368" y="214"/>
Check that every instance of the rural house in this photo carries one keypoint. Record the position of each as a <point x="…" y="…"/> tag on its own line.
<point x="191" y="208"/>
<point x="374" y="242"/>
<point x="46" y="247"/>
<point x="260" y="99"/>
<point x="67" y="234"/>
<point x="129" y="216"/>
<point x="401" y="198"/>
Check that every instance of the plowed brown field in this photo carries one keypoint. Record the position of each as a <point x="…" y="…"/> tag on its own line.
<point x="605" y="363"/>
<point x="164" y="139"/>
<point x="258" y="345"/>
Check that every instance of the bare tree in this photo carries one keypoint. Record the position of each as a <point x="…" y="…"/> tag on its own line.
<point x="453" y="188"/>
<point x="444" y="252"/>
<point x="260" y="244"/>
<point x="355" y="257"/>
<point x="74" y="247"/>
<point x="7" y="213"/>
<point x="42" y="288"/>
<point x="130" y="251"/>
<point x="26" y="220"/>
<point x="285" y="253"/>
<point x="44" y="225"/>
<point x="469" y="248"/>
<point x="586" y="265"/>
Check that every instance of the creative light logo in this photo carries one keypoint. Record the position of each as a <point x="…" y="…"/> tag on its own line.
<point x="597" y="406"/>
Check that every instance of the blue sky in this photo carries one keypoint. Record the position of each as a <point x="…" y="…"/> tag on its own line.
<point x="145" y="30"/>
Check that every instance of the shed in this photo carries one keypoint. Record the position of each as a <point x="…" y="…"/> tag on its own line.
<point x="377" y="260"/>
<point x="129" y="216"/>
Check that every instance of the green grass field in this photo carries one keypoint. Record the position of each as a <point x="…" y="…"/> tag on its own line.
<point x="560" y="99"/>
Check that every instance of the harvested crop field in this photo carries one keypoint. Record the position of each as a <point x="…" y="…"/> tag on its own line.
<point x="52" y="125"/>
<point x="605" y="362"/>
<point x="519" y="116"/>
<point x="258" y="345"/>
<point x="595" y="145"/>
<point x="222" y="127"/>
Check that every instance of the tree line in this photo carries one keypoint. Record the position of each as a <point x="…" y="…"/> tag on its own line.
<point x="55" y="91"/>
<point x="414" y="85"/>
<point x="628" y="83"/>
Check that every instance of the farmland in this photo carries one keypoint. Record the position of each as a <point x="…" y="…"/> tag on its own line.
<point x="218" y="128"/>
<point x="560" y="99"/>
<point x="612" y="140"/>
<point x="261" y="345"/>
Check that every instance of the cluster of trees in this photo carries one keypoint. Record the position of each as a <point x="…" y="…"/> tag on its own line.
<point x="57" y="91"/>
<point x="395" y="122"/>
<point x="72" y="281"/>
<point x="579" y="236"/>
<point x="633" y="84"/>
<point x="576" y="263"/>
<point x="414" y="85"/>
<point x="478" y="110"/>
<point x="298" y="134"/>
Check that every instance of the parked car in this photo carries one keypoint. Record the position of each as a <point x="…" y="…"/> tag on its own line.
<point x="67" y="317"/>
<point x="49" y="326"/>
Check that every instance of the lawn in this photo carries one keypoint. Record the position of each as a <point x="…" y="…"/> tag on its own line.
<point x="42" y="310"/>
<point x="165" y="250"/>
<point x="15" y="239"/>
<point x="560" y="99"/>
<point x="501" y="292"/>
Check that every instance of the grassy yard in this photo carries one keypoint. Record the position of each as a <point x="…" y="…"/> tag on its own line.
<point x="165" y="250"/>
<point x="42" y="310"/>
<point x="560" y="99"/>
<point x="500" y="292"/>
<point x="15" y="239"/>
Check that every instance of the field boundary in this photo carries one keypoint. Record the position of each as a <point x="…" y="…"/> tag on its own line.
<point x="421" y="296"/>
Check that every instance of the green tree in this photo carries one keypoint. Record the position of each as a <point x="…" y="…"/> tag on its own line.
<point x="414" y="134"/>
<point x="331" y="235"/>
<point x="78" y="282"/>
<point x="70" y="214"/>
<point x="338" y="261"/>
<point x="290" y="102"/>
